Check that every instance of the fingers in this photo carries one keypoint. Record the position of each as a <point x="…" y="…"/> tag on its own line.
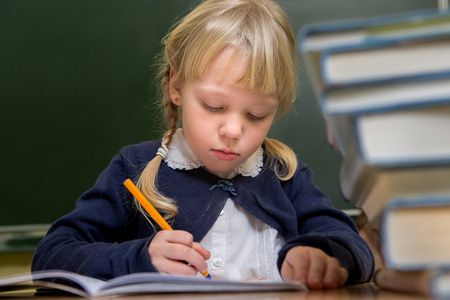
<point x="314" y="268"/>
<point x="328" y="275"/>
<point x="169" y="250"/>
<point x="202" y="251"/>
<point x="295" y="266"/>
<point x="316" y="272"/>
<point x="343" y="276"/>
<point x="332" y="277"/>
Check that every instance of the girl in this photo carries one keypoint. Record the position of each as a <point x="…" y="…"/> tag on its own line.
<point x="242" y="206"/>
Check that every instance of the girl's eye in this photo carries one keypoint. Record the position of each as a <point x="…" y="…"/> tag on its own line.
<point x="212" y="108"/>
<point x="255" y="118"/>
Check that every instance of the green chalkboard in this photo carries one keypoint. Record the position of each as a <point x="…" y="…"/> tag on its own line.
<point x="76" y="85"/>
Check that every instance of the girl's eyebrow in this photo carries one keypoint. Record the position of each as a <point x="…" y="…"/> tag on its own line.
<point x="211" y="90"/>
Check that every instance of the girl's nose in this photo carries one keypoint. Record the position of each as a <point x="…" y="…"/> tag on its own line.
<point x="231" y="127"/>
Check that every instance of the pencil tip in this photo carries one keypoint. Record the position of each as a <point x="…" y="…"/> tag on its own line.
<point x="206" y="274"/>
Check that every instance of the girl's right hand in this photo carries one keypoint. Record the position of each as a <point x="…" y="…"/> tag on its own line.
<point x="170" y="250"/>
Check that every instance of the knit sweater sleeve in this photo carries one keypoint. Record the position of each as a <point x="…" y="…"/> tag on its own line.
<point x="322" y="226"/>
<point x="98" y="238"/>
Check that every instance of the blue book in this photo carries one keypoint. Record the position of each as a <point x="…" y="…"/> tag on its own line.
<point x="370" y="186"/>
<point x="319" y="36"/>
<point x="387" y="60"/>
<point x="416" y="115"/>
<point x="409" y="137"/>
<point x="386" y="96"/>
<point x="319" y="40"/>
<point x="415" y="233"/>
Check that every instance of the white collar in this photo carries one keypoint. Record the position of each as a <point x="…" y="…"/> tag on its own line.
<point x="181" y="157"/>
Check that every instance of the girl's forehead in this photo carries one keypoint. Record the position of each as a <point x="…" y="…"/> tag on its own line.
<point x="223" y="81"/>
<point x="230" y="63"/>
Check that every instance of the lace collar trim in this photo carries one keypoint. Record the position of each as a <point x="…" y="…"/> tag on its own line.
<point x="181" y="157"/>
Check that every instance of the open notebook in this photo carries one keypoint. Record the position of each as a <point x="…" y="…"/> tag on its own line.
<point x="137" y="283"/>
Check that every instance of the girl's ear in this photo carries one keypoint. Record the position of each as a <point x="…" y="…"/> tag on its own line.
<point x="174" y="88"/>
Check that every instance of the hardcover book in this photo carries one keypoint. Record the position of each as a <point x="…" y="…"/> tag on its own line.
<point x="370" y="187"/>
<point x="404" y="137"/>
<point x="415" y="233"/>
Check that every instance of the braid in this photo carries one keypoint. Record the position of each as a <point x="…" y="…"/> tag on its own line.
<point x="147" y="180"/>
<point x="171" y="111"/>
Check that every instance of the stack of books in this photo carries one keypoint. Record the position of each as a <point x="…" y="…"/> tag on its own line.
<point x="383" y="86"/>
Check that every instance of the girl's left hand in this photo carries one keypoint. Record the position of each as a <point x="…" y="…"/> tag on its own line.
<point x="314" y="268"/>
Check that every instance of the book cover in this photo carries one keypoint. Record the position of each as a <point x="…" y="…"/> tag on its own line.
<point x="415" y="233"/>
<point x="339" y="130"/>
<point x="137" y="283"/>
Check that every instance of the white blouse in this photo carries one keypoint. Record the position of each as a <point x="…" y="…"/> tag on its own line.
<point x="242" y="247"/>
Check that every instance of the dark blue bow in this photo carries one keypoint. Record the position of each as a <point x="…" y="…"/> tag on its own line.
<point x="226" y="186"/>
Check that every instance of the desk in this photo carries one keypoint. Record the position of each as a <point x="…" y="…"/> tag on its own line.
<point x="357" y="292"/>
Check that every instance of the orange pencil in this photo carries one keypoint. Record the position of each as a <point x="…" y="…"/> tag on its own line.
<point x="151" y="210"/>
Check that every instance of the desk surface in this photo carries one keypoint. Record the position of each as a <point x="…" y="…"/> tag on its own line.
<point x="357" y="292"/>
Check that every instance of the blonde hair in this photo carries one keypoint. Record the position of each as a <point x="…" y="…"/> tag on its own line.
<point x="260" y="28"/>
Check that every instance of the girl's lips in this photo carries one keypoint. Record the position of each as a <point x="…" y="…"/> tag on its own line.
<point x="225" y="155"/>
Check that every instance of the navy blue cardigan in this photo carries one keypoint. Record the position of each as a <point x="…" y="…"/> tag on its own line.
<point x="105" y="236"/>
